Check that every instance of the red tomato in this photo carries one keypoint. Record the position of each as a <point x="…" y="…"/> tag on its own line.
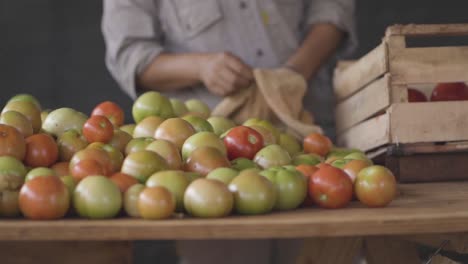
<point x="98" y="129"/>
<point x="243" y="142"/>
<point x="375" y="186"/>
<point x="450" y="92"/>
<point x="98" y="155"/>
<point x="330" y="187"/>
<point x="44" y="198"/>
<point x="12" y="142"/>
<point x="41" y="151"/>
<point x="61" y="168"/>
<point x="307" y="171"/>
<point x="86" y="167"/>
<point x="318" y="144"/>
<point x="416" y="96"/>
<point x="112" y="111"/>
<point x="123" y="181"/>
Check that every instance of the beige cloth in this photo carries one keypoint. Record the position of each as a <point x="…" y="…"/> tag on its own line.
<point x="276" y="95"/>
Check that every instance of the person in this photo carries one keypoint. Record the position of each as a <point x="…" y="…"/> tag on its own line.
<point x="206" y="49"/>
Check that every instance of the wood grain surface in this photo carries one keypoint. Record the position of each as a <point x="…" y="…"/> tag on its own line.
<point x="420" y="209"/>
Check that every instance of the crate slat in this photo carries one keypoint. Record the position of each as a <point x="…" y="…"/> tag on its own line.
<point x="428" y="30"/>
<point x="428" y="122"/>
<point x="364" y="104"/>
<point x="353" y="77"/>
<point x="429" y="65"/>
<point x="367" y="135"/>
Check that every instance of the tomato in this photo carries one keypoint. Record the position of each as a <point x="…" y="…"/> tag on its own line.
<point x="457" y="91"/>
<point x="198" y="123"/>
<point x="137" y="144"/>
<point x="318" y="144"/>
<point x="168" y="151"/>
<point x="174" y="130"/>
<point x="307" y="171"/>
<point x="416" y="96"/>
<point x="86" y="167"/>
<point x="208" y="198"/>
<point x="39" y="172"/>
<point x="375" y="186"/>
<point x="290" y="144"/>
<point x="97" y="197"/>
<point x="98" y="155"/>
<point x="253" y="193"/>
<point x="112" y="111"/>
<point x="116" y="157"/>
<point x="271" y="156"/>
<point x="201" y="139"/>
<point x="26" y="97"/>
<point x="142" y="164"/>
<point x="61" y="168"/>
<point x="156" y="203"/>
<point x="98" y="129"/>
<point x="151" y="104"/>
<point x="44" y="198"/>
<point x="198" y="107"/>
<point x="120" y="140"/>
<point x="220" y="124"/>
<point x="267" y="136"/>
<point x="147" y="127"/>
<point x="12" y="173"/>
<point x="290" y="184"/>
<point x="63" y="119"/>
<point x="205" y="159"/>
<point x="123" y="181"/>
<point x="175" y="181"/>
<point x="31" y="111"/>
<point x="243" y="142"/>
<point x="224" y="175"/>
<point x="353" y="167"/>
<point x="265" y="124"/>
<point x="70" y="142"/>
<point x="330" y="187"/>
<point x="130" y="200"/>
<point x="18" y="121"/>
<point x="12" y="142"/>
<point x="41" y="151"/>
<point x="179" y="107"/>
<point x="9" y="206"/>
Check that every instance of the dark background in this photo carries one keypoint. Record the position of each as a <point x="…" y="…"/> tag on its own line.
<point x="54" y="50"/>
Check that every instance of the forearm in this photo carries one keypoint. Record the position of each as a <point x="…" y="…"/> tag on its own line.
<point x="171" y="72"/>
<point x="320" y="43"/>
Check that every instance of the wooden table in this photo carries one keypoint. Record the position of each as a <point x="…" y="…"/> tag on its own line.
<point x="436" y="208"/>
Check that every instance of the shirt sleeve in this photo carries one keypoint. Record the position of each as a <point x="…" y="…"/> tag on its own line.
<point x="337" y="12"/>
<point x="132" y="35"/>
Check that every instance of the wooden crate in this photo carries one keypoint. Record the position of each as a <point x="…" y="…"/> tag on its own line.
<point x="373" y="109"/>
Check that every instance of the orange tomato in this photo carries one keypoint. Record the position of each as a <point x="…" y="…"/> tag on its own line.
<point x="318" y="144"/>
<point x="330" y="187"/>
<point x="61" y="168"/>
<point x="353" y="168"/>
<point x="98" y="129"/>
<point x="86" y="167"/>
<point x="112" y="111"/>
<point x="12" y="142"/>
<point x="41" y="150"/>
<point x="123" y="181"/>
<point x="156" y="203"/>
<point x="44" y="198"/>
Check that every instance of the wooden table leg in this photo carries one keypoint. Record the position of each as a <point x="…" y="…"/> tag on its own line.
<point x="330" y="250"/>
<point x="70" y="252"/>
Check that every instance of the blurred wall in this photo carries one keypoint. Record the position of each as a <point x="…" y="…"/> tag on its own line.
<point x="54" y="48"/>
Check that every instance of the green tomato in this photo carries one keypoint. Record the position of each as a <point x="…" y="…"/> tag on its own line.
<point x="308" y="159"/>
<point x="241" y="164"/>
<point x="198" y="123"/>
<point x="291" y="186"/>
<point x="12" y="173"/>
<point x="151" y="104"/>
<point x="97" y="197"/>
<point x="39" y="172"/>
<point x="253" y="193"/>
<point x="26" y="97"/>
<point x="63" y="119"/>
<point x="220" y="124"/>
<point x="272" y="155"/>
<point x="358" y="156"/>
<point x="179" y="107"/>
<point x="225" y="175"/>
<point x="290" y="144"/>
<point x="202" y="139"/>
<point x="199" y="107"/>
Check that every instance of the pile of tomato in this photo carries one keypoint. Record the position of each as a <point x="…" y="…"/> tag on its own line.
<point x="175" y="158"/>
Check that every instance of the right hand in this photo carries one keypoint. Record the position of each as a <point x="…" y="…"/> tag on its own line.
<point x="224" y="73"/>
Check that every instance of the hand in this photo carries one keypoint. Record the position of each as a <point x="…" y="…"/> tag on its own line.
<point x="223" y="73"/>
